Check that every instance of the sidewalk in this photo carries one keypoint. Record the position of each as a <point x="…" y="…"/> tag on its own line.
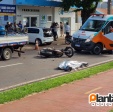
<point x="72" y="97"/>
<point x="60" y="41"/>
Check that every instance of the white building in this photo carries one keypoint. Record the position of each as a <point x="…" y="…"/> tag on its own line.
<point x="42" y="13"/>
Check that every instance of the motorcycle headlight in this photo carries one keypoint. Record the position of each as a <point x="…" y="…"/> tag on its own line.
<point x="89" y="38"/>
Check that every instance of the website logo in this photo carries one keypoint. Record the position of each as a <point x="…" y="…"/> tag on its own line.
<point x="95" y="99"/>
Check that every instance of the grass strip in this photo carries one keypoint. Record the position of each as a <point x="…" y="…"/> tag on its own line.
<point x="22" y="91"/>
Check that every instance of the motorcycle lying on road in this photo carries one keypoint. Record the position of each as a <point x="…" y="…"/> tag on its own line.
<point x="51" y="52"/>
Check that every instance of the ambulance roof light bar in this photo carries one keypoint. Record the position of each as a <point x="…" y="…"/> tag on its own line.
<point x="102" y="15"/>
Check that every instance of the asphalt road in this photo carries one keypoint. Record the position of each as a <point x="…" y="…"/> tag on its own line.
<point x="29" y="67"/>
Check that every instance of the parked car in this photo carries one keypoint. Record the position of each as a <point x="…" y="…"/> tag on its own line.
<point x="42" y="35"/>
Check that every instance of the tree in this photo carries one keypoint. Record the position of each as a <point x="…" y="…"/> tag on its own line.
<point x="0" y="0"/>
<point x="88" y="7"/>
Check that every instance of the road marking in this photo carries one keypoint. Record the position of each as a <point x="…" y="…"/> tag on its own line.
<point x="11" y="65"/>
<point x="93" y="90"/>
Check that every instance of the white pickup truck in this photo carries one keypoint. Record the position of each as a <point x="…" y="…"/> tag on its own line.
<point x="10" y="43"/>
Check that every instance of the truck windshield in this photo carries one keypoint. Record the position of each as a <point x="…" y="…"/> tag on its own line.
<point x="93" y="25"/>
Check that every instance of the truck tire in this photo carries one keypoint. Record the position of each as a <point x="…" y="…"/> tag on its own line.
<point x="97" y="49"/>
<point x="6" y="54"/>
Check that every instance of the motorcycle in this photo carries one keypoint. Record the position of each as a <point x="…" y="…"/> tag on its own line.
<point x="51" y="52"/>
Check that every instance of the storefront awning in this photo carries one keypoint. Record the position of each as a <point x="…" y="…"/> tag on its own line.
<point x="54" y="3"/>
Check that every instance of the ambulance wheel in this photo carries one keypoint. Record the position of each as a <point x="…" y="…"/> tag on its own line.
<point x="97" y="49"/>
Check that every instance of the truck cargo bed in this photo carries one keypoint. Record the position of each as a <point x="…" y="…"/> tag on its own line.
<point x="14" y="39"/>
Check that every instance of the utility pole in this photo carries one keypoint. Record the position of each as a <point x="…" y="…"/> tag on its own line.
<point x="109" y="7"/>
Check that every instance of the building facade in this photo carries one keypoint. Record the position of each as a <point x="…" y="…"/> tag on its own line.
<point x="7" y="12"/>
<point x="35" y="13"/>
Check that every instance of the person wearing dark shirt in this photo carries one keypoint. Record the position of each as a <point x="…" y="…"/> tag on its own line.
<point x="7" y="26"/>
<point x="20" y="25"/>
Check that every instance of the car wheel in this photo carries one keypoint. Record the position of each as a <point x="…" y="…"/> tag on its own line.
<point x="39" y="42"/>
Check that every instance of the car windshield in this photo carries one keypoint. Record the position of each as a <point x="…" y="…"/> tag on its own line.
<point x="93" y="25"/>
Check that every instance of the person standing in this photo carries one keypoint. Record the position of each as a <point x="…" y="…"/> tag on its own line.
<point x="67" y="29"/>
<point x="20" y="25"/>
<point x="7" y="26"/>
<point x="53" y="29"/>
<point x="61" y="29"/>
<point x="11" y="28"/>
<point x="56" y="29"/>
<point x="15" y="27"/>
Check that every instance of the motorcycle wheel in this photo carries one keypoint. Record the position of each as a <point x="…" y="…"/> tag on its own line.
<point x="69" y="51"/>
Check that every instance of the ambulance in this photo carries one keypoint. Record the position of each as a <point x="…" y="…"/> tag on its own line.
<point x="95" y="35"/>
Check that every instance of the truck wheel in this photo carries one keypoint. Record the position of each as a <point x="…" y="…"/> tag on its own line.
<point x="6" y="54"/>
<point x="97" y="49"/>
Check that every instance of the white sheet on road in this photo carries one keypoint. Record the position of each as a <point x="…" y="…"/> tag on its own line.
<point x="65" y="65"/>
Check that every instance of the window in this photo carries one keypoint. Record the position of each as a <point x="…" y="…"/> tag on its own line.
<point x="5" y="17"/>
<point x="33" y="21"/>
<point x="106" y="30"/>
<point x="33" y="30"/>
<point x="49" y="18"/>
<point x="93" y="25"/>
